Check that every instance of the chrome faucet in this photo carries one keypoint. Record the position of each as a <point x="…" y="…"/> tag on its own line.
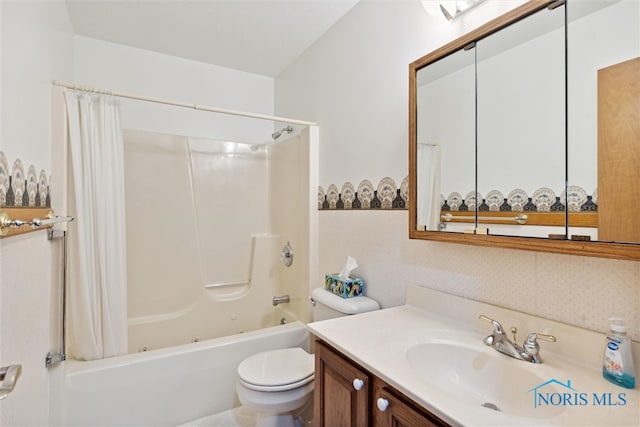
<point x="530" y="349"/>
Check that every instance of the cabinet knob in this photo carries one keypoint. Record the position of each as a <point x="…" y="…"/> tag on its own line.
<point x="358" y="384"/>
<point x="383" y="404"/>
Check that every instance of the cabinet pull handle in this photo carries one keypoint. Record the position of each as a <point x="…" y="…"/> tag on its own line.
<point x="358" y="384"/>
<point x="383" y="404"/>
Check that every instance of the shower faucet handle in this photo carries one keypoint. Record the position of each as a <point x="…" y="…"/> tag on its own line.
<point x="286" y="256"/>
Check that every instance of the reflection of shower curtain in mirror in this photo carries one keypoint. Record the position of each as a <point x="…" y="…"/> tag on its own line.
<point x="428" y="191"/>
<point x="97" y="296"/>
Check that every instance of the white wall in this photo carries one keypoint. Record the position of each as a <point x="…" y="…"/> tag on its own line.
<point x="126" y="69"/>
<point x="36" y="48"/>
<point x="354" y="83"/>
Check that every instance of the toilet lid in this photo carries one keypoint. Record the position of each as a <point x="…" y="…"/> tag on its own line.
<point x="279" y="369"/>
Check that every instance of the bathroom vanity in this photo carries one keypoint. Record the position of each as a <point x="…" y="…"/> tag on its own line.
<point x="347" y="394"/>
<point x="425" y="363"/>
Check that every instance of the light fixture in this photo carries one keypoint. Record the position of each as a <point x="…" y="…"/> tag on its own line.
<point x="450" y="9"/>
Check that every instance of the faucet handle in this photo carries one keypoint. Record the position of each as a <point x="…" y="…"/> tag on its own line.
<point x="497" y="326"/>
<point x="532" y="337"/>
<point x="532" y="348"/>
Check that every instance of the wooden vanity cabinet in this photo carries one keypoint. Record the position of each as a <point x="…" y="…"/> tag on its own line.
<point x="400" y="410"/>
<point x="341" y="401"/>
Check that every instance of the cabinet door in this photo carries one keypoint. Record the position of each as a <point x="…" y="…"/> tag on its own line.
<point x="338" y="402"/>
<point x="619" y="152"/>
<point x="389" y="409"/>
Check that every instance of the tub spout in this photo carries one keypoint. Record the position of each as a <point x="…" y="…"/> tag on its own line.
<point x="280" y="299"/>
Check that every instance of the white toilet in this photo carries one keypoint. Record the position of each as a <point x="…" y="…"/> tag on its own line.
<point x="278" y="384"/>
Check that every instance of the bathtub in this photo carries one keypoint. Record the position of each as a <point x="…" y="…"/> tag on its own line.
<point x="164" y="387"/>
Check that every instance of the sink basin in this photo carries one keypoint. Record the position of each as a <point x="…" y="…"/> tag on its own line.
<point x="481" y="377"/>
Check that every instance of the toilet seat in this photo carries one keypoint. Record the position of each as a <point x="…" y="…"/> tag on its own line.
<point x="277" y="370"/>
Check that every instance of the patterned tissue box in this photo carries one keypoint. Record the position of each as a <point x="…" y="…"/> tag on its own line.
<point x="346" y="288"/>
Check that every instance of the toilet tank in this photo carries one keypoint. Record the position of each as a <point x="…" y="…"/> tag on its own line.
<point x="328" y="306"/>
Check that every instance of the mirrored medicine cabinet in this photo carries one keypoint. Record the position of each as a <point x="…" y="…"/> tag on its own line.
<point x="525" y="133"/>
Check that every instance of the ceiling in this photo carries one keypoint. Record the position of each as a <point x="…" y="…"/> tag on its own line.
<point x="257" y="36"/>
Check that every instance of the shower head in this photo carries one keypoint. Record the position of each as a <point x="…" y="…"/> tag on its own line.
<point x="277" y="134"/>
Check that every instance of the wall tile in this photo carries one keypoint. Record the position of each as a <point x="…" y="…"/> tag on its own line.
<point x="581" y="291"/>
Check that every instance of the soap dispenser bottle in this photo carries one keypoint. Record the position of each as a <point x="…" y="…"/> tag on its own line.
<point x="618" y="360"/>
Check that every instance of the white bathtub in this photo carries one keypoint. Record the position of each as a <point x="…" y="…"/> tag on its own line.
<point x="162" y="387"/>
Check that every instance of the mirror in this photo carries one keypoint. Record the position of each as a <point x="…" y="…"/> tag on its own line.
<point x="520" y="125"/>
<point x="446" y="140"/>
<point x="603" y="35"/>
<point x="530" y="155"/>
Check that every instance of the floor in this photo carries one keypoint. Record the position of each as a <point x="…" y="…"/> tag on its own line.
<point x="236" y="417"/>
<point x="243" y="417"/>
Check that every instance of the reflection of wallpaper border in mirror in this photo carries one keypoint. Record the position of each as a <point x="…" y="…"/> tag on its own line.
<point x="544" y="210"/>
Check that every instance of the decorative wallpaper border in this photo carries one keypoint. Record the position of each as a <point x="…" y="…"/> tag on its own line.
<point x="541" y="200"/>
<point x="386" y="195"/>
<point x="18" y="189"/>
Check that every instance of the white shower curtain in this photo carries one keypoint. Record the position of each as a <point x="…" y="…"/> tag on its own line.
<point x="97" y="295"/>
<point x="428" y="177"/>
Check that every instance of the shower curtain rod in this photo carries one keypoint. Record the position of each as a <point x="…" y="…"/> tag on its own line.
<point x="183" y="104"/>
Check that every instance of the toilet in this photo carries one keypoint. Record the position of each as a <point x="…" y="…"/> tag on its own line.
<point x="278" y="384"/>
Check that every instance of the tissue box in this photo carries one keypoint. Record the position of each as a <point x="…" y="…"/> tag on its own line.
<point x="346" y="288"/>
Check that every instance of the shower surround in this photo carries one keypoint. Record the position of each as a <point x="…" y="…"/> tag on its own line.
<point x="206" y="220"/>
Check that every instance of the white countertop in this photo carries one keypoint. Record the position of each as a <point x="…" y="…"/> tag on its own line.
<point x="379" y="342"/>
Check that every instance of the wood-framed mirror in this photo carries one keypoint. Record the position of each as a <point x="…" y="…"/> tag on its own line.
<point x="480" y="161"/>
